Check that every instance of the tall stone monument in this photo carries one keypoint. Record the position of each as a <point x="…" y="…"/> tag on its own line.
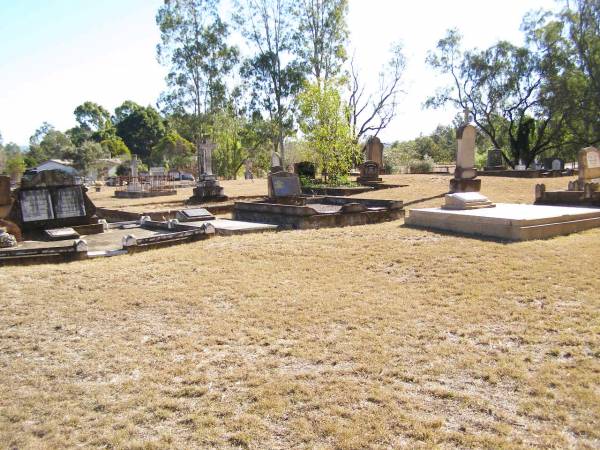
<point x="207" y="188"/>
<point x="373" y="151"/>
<point x="465" y="175"/>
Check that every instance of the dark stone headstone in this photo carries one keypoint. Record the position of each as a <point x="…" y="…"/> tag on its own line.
<point x="69" y="202"/>
<point x="553" y="164"/>
<point x="494" y="160"/>
<point x="369" y="172"/>
<point x="305" y="169"/>
<point x="284" y="184"/>
<point x="36" y="205"/>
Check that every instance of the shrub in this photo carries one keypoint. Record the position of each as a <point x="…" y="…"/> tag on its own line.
<point x="421" y="165"/>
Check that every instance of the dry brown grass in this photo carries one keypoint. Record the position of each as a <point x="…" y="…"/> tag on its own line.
<point x="365" y="337"/>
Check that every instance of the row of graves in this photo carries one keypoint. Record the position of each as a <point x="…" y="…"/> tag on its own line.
<point x="549" y="167"/>
<point x="467" y="211"/>
<point x="51" y="218"/>
<point x="158" y="183"/>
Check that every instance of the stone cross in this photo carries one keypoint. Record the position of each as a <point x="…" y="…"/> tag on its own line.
<point x="134" y="166"/>
<point x="467" y="114"/>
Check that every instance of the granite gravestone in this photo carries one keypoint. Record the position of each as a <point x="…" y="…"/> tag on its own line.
<point x="589" y="165"/>
<point x="369" y="172"/>
<point x="284" y="184"/>
<point x="495" y="160"/>
<point x="207" y="188"/>
<point x="51" y="199"/>
<point x="373" y="151"/>
<point x="465" y="174"/>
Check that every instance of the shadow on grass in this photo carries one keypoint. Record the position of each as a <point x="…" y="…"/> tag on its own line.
<point x="421" y="200"/>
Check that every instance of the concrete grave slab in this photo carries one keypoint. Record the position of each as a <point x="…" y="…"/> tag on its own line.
<point x="62" y="233"/>
<point x="514" y="222"/>
<point x="194" y="214"/>
<point x="225" y="227"/>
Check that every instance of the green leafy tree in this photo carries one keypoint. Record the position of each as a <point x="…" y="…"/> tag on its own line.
<point x="141" y="128"/>
<point x="115" y="147"/>
<point x="194" y="46"/>
<point x="85" y="155"/>
<point x="94" y="124"/>
<point x="15" y="165"/>
<point x="273" y="75"/>
<point x="324" y="122"/>
<point x="230" y="154"/>
<point x="48" y="143"/>
<point x="322" y="36"/>
<point x="174" y="151"/>
<point x="502" y="88"/>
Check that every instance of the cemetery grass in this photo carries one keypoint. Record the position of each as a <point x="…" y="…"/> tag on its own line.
<point x="364" y="337"/>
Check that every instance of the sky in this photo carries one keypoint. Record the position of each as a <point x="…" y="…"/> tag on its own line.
<point x="56" y="54"/>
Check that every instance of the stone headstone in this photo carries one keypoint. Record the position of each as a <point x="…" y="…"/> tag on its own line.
<point x="467" y="200"/>
<point x="373" y="150"/>
<point x="589" y="165"/>
<point x="194" y="214"/>
<point x="4" y="190"/>
<point x="69" y="202"/>
<point x="369" y="172"/>
<point x="57" y="234"/>
<point x="36" y="205"/>
<point x="205" y="150"/>
<point x="284" y="184"/>
<point x="494" y="159"/>
<point x="558" y="164"/>
<point x="134" y="166"/>
<point x="465" y="156"/>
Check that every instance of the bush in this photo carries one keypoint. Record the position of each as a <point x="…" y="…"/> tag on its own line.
<point x="421" y="165"/>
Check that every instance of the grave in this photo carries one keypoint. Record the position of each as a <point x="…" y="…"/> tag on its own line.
<point x="585" y="191"/>
<point x="495" y="160"/>
<point x="512" y="222"/>
<point x="369" y="173"/>
<point x="57" y="234"/>
<point x="51" y="199"/>
<point x="194" y="214"/>
<point x="157" y="184"/>
<point x="288" y="208"/>
<point x="373" y="151"/>
<point x="465" y="175"/>
<point x="553" y="164"/>
<point x="207" y="188"/>
<point x="466" y="201"/>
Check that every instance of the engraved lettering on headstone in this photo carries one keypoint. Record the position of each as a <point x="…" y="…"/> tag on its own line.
<point x="69" y="202"/>
<point x="36" y="205"/>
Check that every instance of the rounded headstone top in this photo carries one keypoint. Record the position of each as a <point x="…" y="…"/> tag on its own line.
<point x="460" y="131"/>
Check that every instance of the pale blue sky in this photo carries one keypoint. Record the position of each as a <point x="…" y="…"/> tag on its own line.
<point x="56" y="54"/>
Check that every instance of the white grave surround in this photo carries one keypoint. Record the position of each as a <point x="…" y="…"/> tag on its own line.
<point x="508" y="221"/>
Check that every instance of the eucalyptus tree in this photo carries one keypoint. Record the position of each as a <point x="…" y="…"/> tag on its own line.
<point x="504" y="91"/>
<point x="194" y="47"/>
<point x="273" y="74"/>
<point x="322" y="36"/>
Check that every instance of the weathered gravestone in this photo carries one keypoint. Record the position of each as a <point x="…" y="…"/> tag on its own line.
<point x="51" y="199"/>
<point x="495" y="161"/>
<point x="465" y="173"/>
<point x="589" y="165"/>
<point x="373" y="151"/>
<point x="284" y="184"/>
<point x="194" y="214"/>
<point x="207" y="188"/>
<point x="369" y="172"/>
<point x="555" y="164"/>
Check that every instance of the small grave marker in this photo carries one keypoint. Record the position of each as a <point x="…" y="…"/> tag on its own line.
<point x="57" y="234"/>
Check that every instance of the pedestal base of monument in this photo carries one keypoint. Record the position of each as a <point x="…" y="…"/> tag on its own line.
<point x="465" y="185"/>
<point x="208" y="190"/>
<point x="367" y="181"/>
<point x="512" y="222"/>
